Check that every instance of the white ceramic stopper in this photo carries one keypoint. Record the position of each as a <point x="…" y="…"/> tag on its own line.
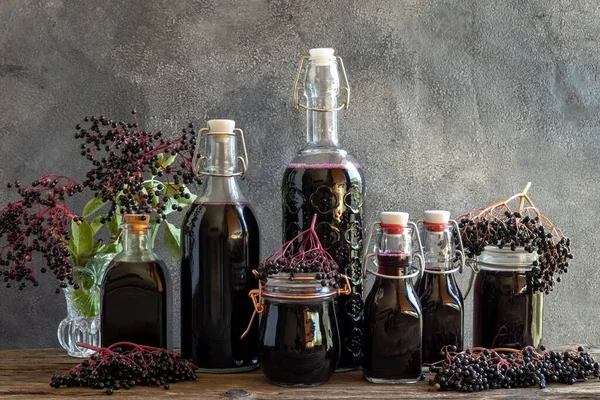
<point x="437" y="216"/>
<point x="221" y="125"/>
<point x="394" y="217"/>
<point x="322" y="56"/>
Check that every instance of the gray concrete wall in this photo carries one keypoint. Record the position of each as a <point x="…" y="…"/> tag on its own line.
<point x="454" y="104"/>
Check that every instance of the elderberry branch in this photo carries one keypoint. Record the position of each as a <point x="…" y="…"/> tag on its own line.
<point x="302" y="254"/>
<point x="526" y="228"/>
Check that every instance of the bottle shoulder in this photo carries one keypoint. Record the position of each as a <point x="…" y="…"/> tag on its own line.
<point x="330" y="158"/>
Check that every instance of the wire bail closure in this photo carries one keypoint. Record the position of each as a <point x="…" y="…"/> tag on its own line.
<point x="297" y="89"/>
<point x="418" y="255"/>
<point x="257" y="297"/>
<point x="198" y="158"/>
<point x="460" y="252"/>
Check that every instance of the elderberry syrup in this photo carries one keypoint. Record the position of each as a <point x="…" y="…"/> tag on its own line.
<point x="299" y="338"/>
<point x="393" y="316"/>
<point x="325" y="180"/>
<point x="220" y="248"/>
<point x="440" y="296"/>
<point x="135" y="304"/>
<point x="506" y="311"/>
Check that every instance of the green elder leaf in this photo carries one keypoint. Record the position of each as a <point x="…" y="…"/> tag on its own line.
<point x="112" y="248"/>
<point x="84" y="242"/>
<point x="86" y="302"/>
<point x="155" y="227"/>
<point x="97" y="224"/>
<point x="92" y="206"/>
<point x="166" y="162"/>
<point x="114" y="224"/>
<point x="172" y="240"/>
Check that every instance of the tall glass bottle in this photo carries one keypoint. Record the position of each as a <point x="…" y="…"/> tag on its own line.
<point x="441" y="298"/>
<point x="324" y="179"/>
<point x="135" y="301"/>
<point x="220" y="247"/>
<point x="393" y="318"/>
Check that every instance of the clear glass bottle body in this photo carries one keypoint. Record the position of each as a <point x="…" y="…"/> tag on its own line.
<point x="506" y="312"/>
<point x="393" y="316"/>
<point x="220" y="247"/>
<point x="135" y="298"/>
<point x="299" y="338"/>
<point x="440" y="296"/>
<point x="324" y="179"/>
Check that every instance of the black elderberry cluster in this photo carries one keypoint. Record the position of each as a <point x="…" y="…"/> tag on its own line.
<point x="483" y="369"/>
<point x="513" y="230"/>
<point x="301" y="255"/>
<point x="312" y="261"/>
<point x="126" y="366"/>
<point x="125" y="157"/>
<point x="37" y="223"/>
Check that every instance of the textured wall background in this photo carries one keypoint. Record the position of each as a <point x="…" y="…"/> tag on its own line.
<point x="455" y="104"/>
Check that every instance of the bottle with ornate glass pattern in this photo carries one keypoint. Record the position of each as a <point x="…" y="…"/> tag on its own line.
<point x="324" y="179"/>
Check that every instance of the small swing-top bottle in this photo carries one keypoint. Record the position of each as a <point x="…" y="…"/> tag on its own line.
<point x="440" y="296"/>
<point x="393" y="320"/>
<point x="220" y="248"/>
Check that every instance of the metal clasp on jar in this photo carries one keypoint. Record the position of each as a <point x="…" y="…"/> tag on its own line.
<point x="257" y="296"/>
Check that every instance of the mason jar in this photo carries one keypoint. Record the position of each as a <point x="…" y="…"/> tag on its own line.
<point x="299" y="338"/>
<point x="506" y="312"/>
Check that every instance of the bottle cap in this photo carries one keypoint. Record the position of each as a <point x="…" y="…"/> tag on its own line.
<point x="394" y="218"/>
<point x="137" y="223"/>
<point x="221" y="125"/>
<point x="437" y="216"/>
<point x="322" y="56"/>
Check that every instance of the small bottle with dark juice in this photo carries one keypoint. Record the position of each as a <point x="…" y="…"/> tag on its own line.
<point x="135" y="298"/>
<point x="441" y="298"/>
<point x="393" y="316"/>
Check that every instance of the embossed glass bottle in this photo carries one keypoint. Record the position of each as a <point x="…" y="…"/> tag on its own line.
<point x="324" y="179"/>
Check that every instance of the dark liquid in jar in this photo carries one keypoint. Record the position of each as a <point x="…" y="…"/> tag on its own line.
<point x="503" y="310"/>
<point x="299" y="343"/>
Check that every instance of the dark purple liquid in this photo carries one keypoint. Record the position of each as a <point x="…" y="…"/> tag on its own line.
<point x="392" y="350"/>
<point x="503" y="310"/>
<point x="335" y="194"/>
<point x="443" y="314"/>
<point x="299" y="343"/>
<point x="220" y="246"/>
<point x="135" y="304"/>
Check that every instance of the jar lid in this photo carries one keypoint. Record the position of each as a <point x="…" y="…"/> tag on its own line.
<point x="505" y="259"/>
<point x="303" y="287"/>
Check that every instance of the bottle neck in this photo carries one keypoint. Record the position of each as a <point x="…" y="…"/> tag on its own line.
<point x="221" y="154"/>
<point x="396" y="239"/>
<point x="137" y="240"/>
<point x="438" y="247"/>
<point x="221" y="189"/>
<point x="322" y="87"/>
<point x="322" y="128"/>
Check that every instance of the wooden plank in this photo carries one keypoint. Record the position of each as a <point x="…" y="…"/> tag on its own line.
<point x="25" y="374"/>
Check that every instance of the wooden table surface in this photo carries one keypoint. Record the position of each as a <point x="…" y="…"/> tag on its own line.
<point x="25" y="374"/>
